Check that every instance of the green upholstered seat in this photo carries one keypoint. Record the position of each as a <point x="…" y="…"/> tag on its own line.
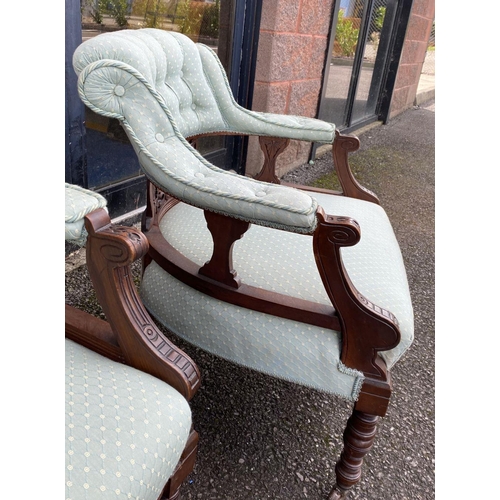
<point x="125" y="429"/>
<point x="281" y="262"/>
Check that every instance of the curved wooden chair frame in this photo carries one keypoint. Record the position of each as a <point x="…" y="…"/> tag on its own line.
<point x="350" y="312"/>
<point x="130" y="336"/>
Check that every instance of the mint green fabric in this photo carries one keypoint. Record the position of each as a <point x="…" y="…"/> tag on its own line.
<point x="282" y="262"/>
<point x="164" y="88"/>
<point x="125" y="429"/>
<point x="78" y="203"/>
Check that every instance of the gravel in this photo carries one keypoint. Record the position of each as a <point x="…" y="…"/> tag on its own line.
<point x="264" y="438"/>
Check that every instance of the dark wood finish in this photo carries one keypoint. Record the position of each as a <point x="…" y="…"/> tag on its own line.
<point x="93" y="333"/>
<point x="183" y="469"/>
<point x="342" y="146"/>
<point x="272" y="147"/>
<point x="246" y="296"/>
<point x="110" y="251"/>
<point x="225" y="232"/>
<point x="366" y="328"/>
<point x="358" y="440"/>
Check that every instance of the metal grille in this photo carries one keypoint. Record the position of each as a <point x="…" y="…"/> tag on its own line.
<point x="375" y="29"/>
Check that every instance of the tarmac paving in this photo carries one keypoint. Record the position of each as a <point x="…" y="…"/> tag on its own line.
<point x="263" y="438"/>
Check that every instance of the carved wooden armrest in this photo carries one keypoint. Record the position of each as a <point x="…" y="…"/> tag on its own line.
<point x="272" y="147"/>
<point x="366" y="328"/>
<point x="92" y="332"/>
<point x="110" y="251"/>
<point x="342" y="146"/>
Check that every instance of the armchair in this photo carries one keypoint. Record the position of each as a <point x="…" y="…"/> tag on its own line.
<point x="128" y="421"/>
<point x="308" y="286"/>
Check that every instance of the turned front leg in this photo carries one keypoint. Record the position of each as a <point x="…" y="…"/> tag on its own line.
<point x="358" y="440"/>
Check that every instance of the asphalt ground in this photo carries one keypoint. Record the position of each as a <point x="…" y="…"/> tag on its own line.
<point x="263" y="438"/>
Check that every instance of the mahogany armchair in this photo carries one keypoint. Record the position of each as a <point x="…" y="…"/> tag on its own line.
<point x="302" y="285"/>
<point x="128" y="421"/>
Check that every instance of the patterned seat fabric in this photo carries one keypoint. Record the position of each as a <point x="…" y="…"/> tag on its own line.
<point x="284" y="263"/>
<point x="79" y="203"/>
<point x="125" y="429"/>
<point x="183" y="90"/>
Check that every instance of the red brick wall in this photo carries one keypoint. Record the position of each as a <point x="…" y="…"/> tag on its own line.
<point x="413" y="55"/>
<point x="290" y="59"/>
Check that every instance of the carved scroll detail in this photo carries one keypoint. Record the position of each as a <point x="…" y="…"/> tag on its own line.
<point x="110" y="250"/>
<point x="366" y="328"/>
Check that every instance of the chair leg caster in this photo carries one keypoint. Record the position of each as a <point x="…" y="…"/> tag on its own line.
<point x="337" y="494"/>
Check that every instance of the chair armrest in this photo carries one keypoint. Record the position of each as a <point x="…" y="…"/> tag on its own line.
<point x="205" y="186"/>
<point x="174" y="166"/>
<point x="359" y="350"/>
<point x="110" y="251"/>
<point x="246" y="122"/>
<point x="243" y="121"/>
<point x="92" y="332"/>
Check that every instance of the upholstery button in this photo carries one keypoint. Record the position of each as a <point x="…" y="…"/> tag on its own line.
<point x="199" y="175"/>
<point x="159" y="137"/>
<point x="119" y="90"/>
<point x="193" y="106"/>
<point x="260" y="193"/>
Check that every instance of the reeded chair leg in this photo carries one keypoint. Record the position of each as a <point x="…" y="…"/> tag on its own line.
<point x="358" y="439"/>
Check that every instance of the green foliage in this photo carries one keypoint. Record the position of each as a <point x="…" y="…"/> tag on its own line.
<point x="196" y="18"/>
<point x="119" y="11"/>
<point x="158" y="11"/>
<point x="210" y="23"/>
<point x="346" y="35"/>
<point x="189" y="17"/>
<point x="378" y="19"/>
<point x="95" y="10"/>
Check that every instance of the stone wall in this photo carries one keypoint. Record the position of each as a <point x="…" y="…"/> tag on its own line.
<point x="412" y="56"/>
<point x="290" y="59"/>
<point x="290" y="62"/>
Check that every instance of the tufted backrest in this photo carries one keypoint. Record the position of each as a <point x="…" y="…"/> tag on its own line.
<point x="190" y="81"/>
<point x="170" y="63"/>
<point x="164" y="88"/>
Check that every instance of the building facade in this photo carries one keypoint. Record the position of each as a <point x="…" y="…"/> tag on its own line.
<point x="350" y="62"/>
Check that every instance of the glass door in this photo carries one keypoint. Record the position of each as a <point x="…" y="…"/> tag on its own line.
<point x="110" y="157"/>
<point x="354" y="77"/>
<point x="111" y="166"/>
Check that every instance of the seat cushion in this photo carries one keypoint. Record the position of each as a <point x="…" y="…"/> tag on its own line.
<point x="125" y="429"/>
<point x="78" y="203"/>
<point x="282" y="262"/>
